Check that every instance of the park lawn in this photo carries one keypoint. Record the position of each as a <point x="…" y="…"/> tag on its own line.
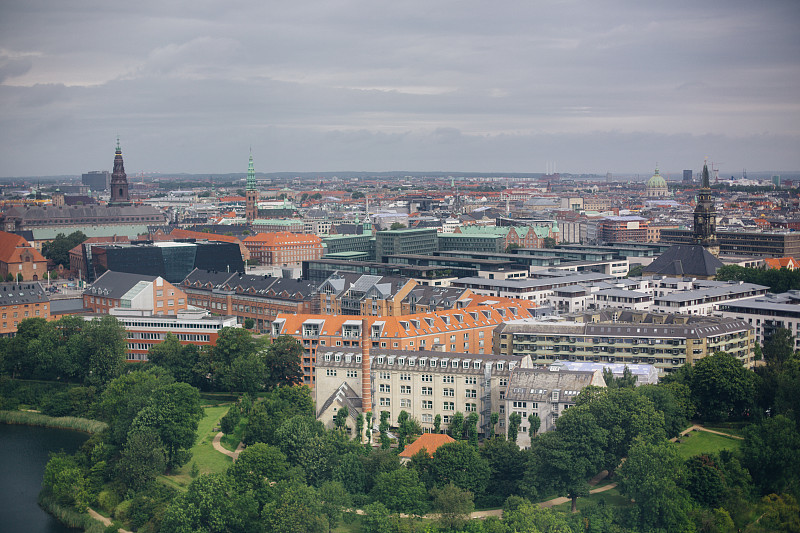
<point x="612" y="498"/>
<point x="208" y="460"/>
<point x="231" y="442"/>
<point x="697" y="442"/>
<point x="730" y="428"/>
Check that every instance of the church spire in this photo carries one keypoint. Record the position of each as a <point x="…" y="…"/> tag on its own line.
<point x="251" y="174"/>
<point x="705" y="217"/>
<point x="119" y="180"/>
<point x="251" y="194"/>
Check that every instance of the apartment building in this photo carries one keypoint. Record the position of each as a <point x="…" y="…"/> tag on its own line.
<point x="20" y="260"/>
<point x="536" y="290"/>
<point x="244" y="296"/>
<point x="347" y="293"/>
<point x="623" y="229"/>
<point x="19" y="301"/>
<point x="610" y="336"/>
<point x="133" y="291"/>
<point x="706" y="297"/>
<point x="767" y="313"/>
<point x="467" y="330"/>
<point x="145" y="329"/>
<point x="405" y="241"/>
<point x="425" y="384"/>
<point x="744" y="243"/>
<point x="283" y="248"/>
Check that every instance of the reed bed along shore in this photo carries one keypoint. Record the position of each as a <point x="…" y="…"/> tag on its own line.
<point x="28" y="418"/>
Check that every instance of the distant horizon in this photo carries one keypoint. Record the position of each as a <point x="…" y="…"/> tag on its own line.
<point x="524" y="87"/>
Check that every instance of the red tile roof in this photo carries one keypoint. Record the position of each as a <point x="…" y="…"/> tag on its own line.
<point x="429" y="441"/>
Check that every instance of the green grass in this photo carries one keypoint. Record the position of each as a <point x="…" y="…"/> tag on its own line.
<point x="697" y="442"/>
<point x="231" y="442"/>
<point x="64" y="422"/>
<point x="208" y="460"/>
<point x="731" y="428"/>
<point x="612" y="497"/>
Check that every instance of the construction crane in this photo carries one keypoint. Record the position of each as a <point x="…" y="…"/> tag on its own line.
<point x="715" y="170"/>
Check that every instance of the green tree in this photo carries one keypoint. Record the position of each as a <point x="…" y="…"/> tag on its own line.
<point x="384" y="429"/>
<point x="437" y="424"/>
<point x="454" y="506"/>
<point x="562" y="461"/>
<point x="511" y="247"/>
<point x="247" y="373"/>
<point x="722" y="388"/>
<point x="125" y="396"/>
<point x="173" y="412"/>
<point x="779" y="347"/>
<point x="635" y="271"/>
<point x="359" y="426"/>
<point x="341" y="417"/>
<point x="624" y="415"/>
<point x="534" y="423"/>
<point x="179" y="360"/>
<point x="376" y="519"/>
<point x="514" y="421"/>
<point x="664" y="400"/>
<point x="402" y="430"/>
<point x="494" y="418"/>
<point x="57" y="250"/>
<point x="652" y="476"/>
<point x="401" y="490"/>
<point x="335" y="501"/>
<point x="549" y="242"/>
<point x="505" y="461"/>
<point x="142" y="459"/>
<point x="249" y="323"/>
<point x="257" y="465"/>
<point x="471" y="428"/>
<point x="627" y="380"/>
<point x="103" y="345"/>
<point x="397" y="225"/>
<point x="461" y="464"/>
<point x="211" y="503"/>
<point x="780" y="513"/>
<point x="357" y="195"/>
<point x="66" y="481"/>
<point x="769" y="452"/>
<point x="456" y="427"/>
<point x="283" y="362"/>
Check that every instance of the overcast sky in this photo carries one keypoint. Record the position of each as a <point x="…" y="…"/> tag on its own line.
<point x="437" y="85"/>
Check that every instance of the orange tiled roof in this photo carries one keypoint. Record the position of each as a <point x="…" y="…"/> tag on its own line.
<point x="429" y="441"/>
<point x="781" y="262"/>
<point x="11" y="246"/>
<point x="282" y="237"/>
<point x="402" y="326"/>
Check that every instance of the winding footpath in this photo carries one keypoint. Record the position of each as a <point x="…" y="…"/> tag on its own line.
<point x="218" y="446"/>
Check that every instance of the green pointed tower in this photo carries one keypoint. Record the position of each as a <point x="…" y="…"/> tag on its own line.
<point x="251" y="194"/>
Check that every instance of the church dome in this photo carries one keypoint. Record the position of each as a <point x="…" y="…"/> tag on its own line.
<point x="656" y="182"/>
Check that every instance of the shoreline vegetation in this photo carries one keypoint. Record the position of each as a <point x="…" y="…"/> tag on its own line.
<point x="29" y="418"/>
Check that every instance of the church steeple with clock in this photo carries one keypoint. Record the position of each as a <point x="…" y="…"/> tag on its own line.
<point x="705" y="218"/>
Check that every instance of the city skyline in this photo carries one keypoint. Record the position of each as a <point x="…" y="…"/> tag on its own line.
<point x="356" y="86"/>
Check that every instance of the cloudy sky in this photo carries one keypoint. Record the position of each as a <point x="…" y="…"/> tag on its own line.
<point x="336" y="85"/>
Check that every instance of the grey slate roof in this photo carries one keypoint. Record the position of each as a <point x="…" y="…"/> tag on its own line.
<point x="534" y="384"/>
<point x="27" y="292"/>
<point x="685" y="260"/>
<point x="115" y="284"/>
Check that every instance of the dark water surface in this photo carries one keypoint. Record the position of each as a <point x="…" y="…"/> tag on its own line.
<point x="23" y="455"/>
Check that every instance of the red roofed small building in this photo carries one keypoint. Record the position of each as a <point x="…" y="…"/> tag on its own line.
<point x="781" y="262"/>
<point x="17" y="256"/>
<point x="283" y="248"/>
<point x="430" y="442"/>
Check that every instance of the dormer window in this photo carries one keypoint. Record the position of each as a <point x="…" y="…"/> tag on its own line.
<point x="380" y="360"/>
<point x="446" y="319"/>
<point x="358" y="358"/>
<point x="327" y="357"/>
<point x="337" y="357"/>
<point x="500" y="365"/>
<point x="459" y="318"/>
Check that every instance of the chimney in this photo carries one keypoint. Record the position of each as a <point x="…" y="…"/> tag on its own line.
<point x="366" y="380"/>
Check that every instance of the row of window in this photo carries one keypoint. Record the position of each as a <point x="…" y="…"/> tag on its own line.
<point x="428" y="405"/>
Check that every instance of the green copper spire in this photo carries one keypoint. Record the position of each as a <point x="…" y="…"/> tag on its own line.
<point x="251" y="174"/>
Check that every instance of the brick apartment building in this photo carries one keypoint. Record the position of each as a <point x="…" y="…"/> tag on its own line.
<point x="19" y="301"/>
<point x="467" y="330"/>
<point x="283" y="248"/>
<point x="17" y="256"/>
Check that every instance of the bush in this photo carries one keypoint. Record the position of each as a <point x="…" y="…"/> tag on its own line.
<point x="122" y="510"/>
<point x="108" y="500"/>
<point x="229" y="421"/>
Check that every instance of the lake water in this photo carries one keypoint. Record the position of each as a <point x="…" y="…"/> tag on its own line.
<point x="23" y="455"/>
